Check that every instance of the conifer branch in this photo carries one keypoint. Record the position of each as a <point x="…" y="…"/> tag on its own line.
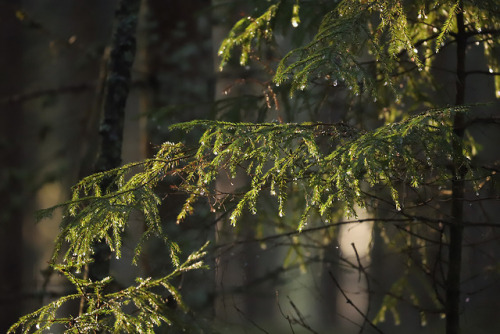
<point x="105" y="312"/>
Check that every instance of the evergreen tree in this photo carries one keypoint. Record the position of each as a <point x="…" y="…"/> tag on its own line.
<point x="401" y="151"/>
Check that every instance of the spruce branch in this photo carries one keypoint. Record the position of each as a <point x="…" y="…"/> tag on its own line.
<point x="107" y="311"/>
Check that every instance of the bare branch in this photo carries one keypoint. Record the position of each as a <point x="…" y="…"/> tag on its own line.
<point x="349" y="301"/>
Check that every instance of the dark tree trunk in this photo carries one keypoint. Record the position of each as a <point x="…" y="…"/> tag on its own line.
<point x="452" y="306"/>
<point x="12" y="199"/>
<point x="116" y="91"/>
<point x="117" y="85"/>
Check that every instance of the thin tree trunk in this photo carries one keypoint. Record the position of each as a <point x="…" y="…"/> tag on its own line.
<point x="116" y="91"/>
<point x="458" y="189"/>
<point x="118" y="85"/>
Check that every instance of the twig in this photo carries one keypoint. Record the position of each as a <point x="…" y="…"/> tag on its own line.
<point x="349" y="301"/>
<point x="302" y="321"/>
<point x="283" y="314"/>
<point x="250" y="320"/>
<point x="362" y="270"/>
<point x="312" y="229"/>
<point x="70" y="89"/>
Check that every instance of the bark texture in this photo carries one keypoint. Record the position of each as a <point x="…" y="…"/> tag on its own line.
<point x="116" y="91"/>
<point x="117" y="85"/>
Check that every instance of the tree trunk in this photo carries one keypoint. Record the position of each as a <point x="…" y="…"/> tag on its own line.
<point x="452" y="306"/>
<point x="116" y="91"/>
<point x="117" y="85"/>
<point x="12" y="194"/>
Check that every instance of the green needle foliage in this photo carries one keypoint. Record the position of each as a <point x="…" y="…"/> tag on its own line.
<point x="362" y="43"/>
<point x="331" y="162"/>
<point x="137" y="309"/>
<point x="101" y="205"/>
<point x="98" y="212"/>
<point x="244" y="33"/>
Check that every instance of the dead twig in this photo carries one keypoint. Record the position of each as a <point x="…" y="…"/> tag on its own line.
<point x="349" y="301"/>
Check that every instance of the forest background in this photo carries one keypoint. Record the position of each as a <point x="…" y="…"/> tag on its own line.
<point x="263" y="276"/>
